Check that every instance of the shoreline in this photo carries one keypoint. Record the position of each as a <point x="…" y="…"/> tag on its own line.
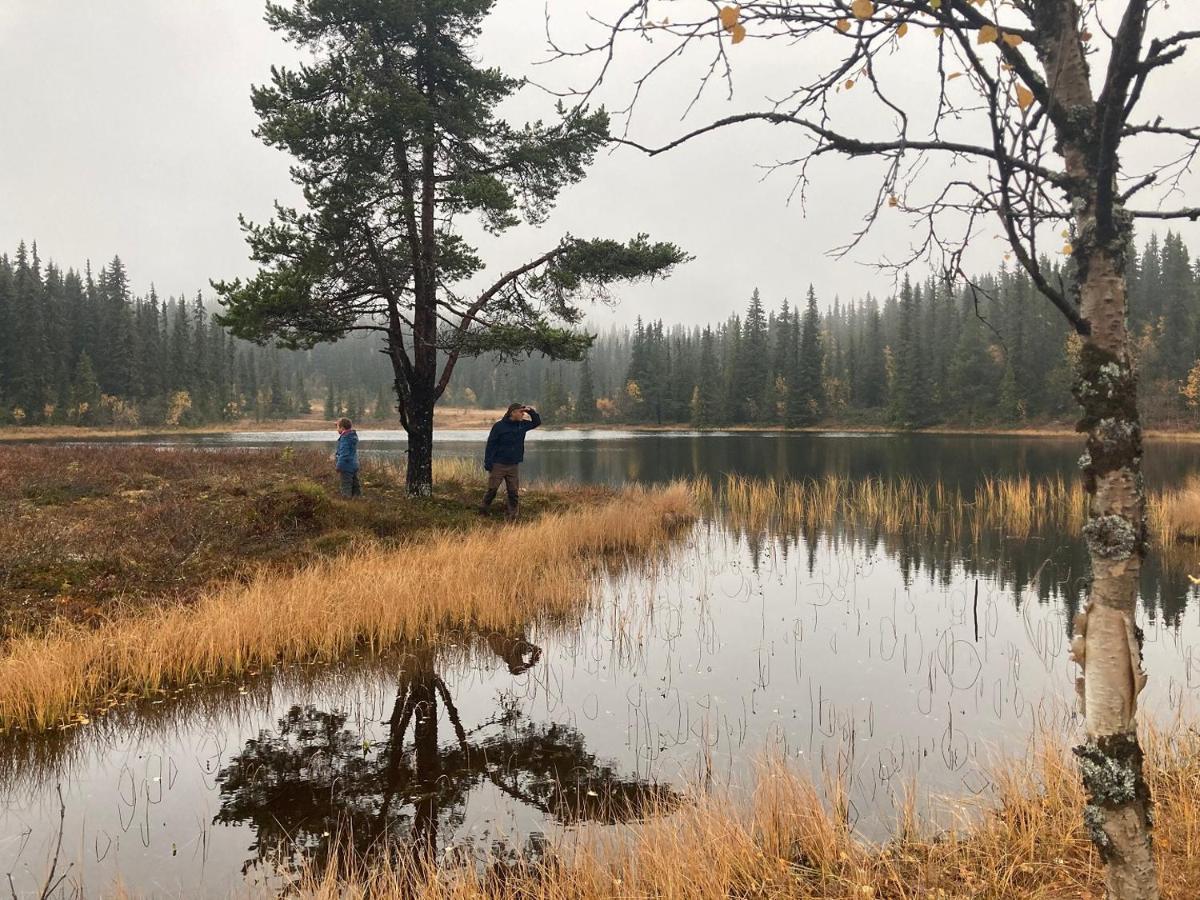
<point x="68" y="433"/>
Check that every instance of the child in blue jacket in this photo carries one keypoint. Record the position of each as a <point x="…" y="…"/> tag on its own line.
<point x="346" y="458"/>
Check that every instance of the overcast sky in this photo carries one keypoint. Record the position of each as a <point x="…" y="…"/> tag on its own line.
<point x="125" y="127"/>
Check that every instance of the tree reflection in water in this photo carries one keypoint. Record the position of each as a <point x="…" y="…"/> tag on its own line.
<point x="314" y="791"/>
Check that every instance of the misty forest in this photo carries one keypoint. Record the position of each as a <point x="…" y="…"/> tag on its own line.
<point x="84" y="349"/>
<point x="579" y="449"/>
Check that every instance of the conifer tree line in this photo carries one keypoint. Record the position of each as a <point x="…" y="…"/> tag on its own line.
<point x="81" y="348"/>
<point x="990" y="353"/>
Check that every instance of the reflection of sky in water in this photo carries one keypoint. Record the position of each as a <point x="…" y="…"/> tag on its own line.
<point x="850" y="661"/>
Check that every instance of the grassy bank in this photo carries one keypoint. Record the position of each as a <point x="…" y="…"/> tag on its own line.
<point x="370" y="597"/>
<point x="90" y="532"/>
<point x="1024" y="841"/>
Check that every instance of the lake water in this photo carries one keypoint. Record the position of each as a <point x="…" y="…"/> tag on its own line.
<point x="885" y="660"/>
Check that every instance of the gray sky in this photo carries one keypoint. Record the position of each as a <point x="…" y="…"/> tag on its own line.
<point x="126" y="128"/>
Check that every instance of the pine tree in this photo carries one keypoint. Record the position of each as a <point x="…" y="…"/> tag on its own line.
<point x="382" y="408"/>
<point x="753" y="374"/>
<point x="331" y="404"/>
<point x="809" y="403"/>
<point x="585" y="399"/>
<point x="910" y="392"/>
<point x="85" y="393"/>
<point x="707" y="391"/>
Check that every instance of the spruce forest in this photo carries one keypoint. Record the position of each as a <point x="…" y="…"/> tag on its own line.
<point x="82" y="348"/>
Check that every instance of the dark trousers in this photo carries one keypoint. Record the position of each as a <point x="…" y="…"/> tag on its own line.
<point x="512" y="483"/>
<point x="351" y="487"/>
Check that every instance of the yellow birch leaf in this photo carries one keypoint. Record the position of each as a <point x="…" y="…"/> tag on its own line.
<point x="1066" y="232"/>
<point x="936" y="4"/>
<point x="939" y="31"/>
<point x="862" y="9"/>
<point x="849" y="83"/>
<point x="729" y="17"/>
<point x="953" y="75"/>
<point x="1024" y="97"/>
<point x="1014" y="40"/>
<point x="1068" y="249"/>
<point x="987" y="35"/>
<point x="738" y="34"/>
<point x="1193" y="579"/>
<point x="842" y="25"/>
<point x="902" y="29"/>
<point x="892" y="201"/>
<point x="1085" y="36"/>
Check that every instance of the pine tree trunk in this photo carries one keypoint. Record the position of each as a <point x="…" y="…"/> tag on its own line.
<point x="419" y="476"/>
<point x="1107" y="643"/>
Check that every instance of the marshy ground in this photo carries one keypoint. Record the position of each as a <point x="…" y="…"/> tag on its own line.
<point x="92" y="532"/>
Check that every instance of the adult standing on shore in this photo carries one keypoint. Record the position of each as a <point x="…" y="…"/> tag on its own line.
<point x="504" y="453"/>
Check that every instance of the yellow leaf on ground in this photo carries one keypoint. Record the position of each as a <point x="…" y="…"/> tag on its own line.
<point x="1024" y="97"/>
<point x="987" y="35"/>
<point x="729" y="17"/>
<point x="862" y="9"/>
<point x="843" y="25"/>
<point x="902" y="29"/>
<point x="738" y="33"/>
<point x="1014" y="40"/>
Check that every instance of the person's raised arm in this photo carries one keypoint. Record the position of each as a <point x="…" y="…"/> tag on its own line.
<point x="534" y="419"/>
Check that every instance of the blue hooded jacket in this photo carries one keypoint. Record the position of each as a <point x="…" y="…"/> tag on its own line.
<point x="346" y="457"/>
<point x="506" y="442"/>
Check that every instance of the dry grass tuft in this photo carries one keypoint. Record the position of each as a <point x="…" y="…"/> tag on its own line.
<point x="1025" y="841"/>
<point x="371" y="598"/>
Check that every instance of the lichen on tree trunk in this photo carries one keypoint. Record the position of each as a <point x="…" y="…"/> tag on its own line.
<point x="1107" y="643"/>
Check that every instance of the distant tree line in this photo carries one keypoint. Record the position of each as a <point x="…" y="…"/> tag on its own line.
<point x="81" y="348"/>
<point x="988" y="353"/>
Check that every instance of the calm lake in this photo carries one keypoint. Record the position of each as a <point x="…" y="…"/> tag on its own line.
<point x="893" y="662"/>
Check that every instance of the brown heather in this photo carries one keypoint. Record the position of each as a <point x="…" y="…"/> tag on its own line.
<point x="366" y="599"/>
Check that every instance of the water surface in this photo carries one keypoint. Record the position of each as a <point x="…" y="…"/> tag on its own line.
<point x="882" y="660"/>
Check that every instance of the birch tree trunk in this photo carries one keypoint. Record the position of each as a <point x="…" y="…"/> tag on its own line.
<point x="1107" y="643"/>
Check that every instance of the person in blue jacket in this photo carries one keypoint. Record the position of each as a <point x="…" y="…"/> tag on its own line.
<point x="345" y="458"/>
<point x="504" y="453"/>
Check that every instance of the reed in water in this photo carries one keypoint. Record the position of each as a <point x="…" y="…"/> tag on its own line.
<point x="1017" y="506"/>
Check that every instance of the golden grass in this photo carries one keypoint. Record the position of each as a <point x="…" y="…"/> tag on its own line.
<point x="1024" y="841"/>
<point x="370" y="598"/>
<point x="1017" y="507"/>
